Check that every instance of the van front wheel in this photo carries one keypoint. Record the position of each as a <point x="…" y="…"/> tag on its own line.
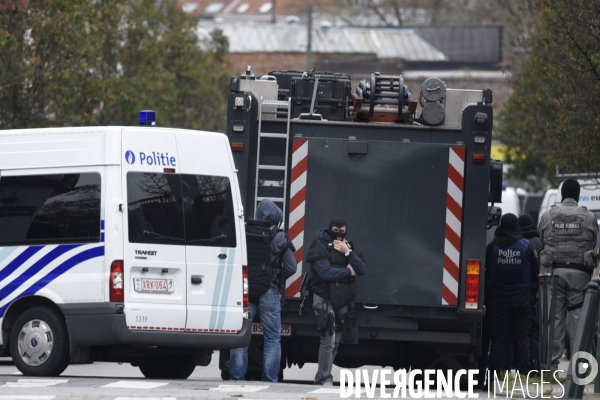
<point x="169" y="368"/>
<point x="39" y="342"/>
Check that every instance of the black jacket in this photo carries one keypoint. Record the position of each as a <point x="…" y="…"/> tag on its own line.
<point x="504" y="238"/>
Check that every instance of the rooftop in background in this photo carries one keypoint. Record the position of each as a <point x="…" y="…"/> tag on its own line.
<point x="467" y="44"/>
<point x="255" y="10"/>
<point x="402" y="44"/>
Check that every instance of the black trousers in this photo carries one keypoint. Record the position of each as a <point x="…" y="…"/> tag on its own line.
<point x="509" y="319"/>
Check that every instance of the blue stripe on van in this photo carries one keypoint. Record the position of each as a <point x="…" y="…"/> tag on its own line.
<point x="19" y="260"/>
<point x="218" y="284"/>
<point x="35" y="268"/>
<point x="223" y="304"/>
<point x="58" y="271"/>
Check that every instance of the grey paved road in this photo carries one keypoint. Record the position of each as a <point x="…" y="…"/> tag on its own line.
<point x="123" y="382"/>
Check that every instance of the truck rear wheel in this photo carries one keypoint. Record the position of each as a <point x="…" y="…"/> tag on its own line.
<point x="169" y="368"/>
<point x="39" y="342"/>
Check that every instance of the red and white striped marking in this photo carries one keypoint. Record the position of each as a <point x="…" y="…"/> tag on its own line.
<point x="454" y="201"/>
<point x="297" y="210"/>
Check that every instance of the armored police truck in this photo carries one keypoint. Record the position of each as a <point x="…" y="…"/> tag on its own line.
<point x="411" y="177"/>
<point x="120" y="244"/>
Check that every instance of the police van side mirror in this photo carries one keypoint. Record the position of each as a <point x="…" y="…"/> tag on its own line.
<point x="494" y="215"/>
<point x="495" y="195"/>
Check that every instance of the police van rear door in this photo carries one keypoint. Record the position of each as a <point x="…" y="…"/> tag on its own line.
<point x="154" y="249"/>
<point x="212" y="224"/>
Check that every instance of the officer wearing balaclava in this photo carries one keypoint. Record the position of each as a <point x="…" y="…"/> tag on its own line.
<point x="334" y="263"/>
<point x="568" y="233"/>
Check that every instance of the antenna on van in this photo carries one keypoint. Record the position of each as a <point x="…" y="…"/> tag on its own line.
<point x="147" y="118"/>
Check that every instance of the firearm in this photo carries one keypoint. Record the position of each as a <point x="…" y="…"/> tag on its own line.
<point x="305" y="294"/>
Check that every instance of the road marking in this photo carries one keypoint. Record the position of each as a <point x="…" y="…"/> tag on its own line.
<point x="145" y="398"/>
<point x="237" y="388"/>
<point x="326" y="391"/>
<point x="24" y="397"/>
<point x="35" y="382"/>
<point x="135" y="385"/>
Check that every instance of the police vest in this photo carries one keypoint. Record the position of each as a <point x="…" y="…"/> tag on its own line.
<point x="509" y="267"/>
<point x="336" y="259"/>
<point x="568" y="236"/>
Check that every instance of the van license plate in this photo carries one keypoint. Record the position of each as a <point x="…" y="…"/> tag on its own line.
<point x="257" y="329"/>
<point x="144" y="285"/>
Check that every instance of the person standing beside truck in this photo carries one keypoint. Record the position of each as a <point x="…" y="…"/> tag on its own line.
<point x="334" y="263"/>
<point x="568" y="233"/>
<point x="511" y="262"/>
<point x="267" y="305"/>
<point x="530" y="233"/>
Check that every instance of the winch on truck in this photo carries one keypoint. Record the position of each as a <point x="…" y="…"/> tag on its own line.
<point x="412" y="177"/>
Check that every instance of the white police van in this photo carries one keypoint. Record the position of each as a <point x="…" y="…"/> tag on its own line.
<point x="121" y="244"/>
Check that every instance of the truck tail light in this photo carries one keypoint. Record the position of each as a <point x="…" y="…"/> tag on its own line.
<point x="472" y="289"/>
<point x="478" y="158"/>
<point x="245" y="280"/>
<point x="237" y="146"/>
<point x="116" y="282"/>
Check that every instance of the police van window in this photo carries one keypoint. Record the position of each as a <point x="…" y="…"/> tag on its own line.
<point x="50" y="209"/>
<point x="154" y="208"/>
<point x="208" y="206"/>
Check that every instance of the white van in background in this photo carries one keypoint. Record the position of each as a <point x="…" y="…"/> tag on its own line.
<point x="510" y="204"/>
<point x="589" y="196"/>
<point x="550" y="199"/>
<point x="122" y="244"/>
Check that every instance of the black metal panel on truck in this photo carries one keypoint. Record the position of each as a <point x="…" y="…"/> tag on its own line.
<point x="391" y="200"/>
<point x="415" y="196"/>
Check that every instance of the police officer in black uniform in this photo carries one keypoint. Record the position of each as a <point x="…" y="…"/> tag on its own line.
<point x="511" y="262"/>
<point x="568" y="233"/>
<point x="530" y="233"/>
<point x="333" y="265"/>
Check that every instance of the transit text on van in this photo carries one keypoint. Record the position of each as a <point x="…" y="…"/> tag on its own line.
<point x="145" y="252"/>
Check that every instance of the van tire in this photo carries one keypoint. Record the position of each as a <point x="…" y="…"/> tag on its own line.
<point x="51" y="356"/>
<point x="179" y="367"/>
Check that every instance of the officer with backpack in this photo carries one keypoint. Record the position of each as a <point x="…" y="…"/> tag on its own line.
<point x="334" y="263"/>
<point x="270" y="262"/>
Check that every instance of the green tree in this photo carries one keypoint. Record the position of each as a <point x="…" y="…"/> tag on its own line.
<point x="83" y="62"/>
<point x="552" y="121"/>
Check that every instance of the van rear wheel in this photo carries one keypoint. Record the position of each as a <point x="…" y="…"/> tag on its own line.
<point x="39" y="342"/>
<point x="178" y="367"/>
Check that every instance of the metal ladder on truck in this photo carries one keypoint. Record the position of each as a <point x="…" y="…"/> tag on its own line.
<point x="277" y="187"/>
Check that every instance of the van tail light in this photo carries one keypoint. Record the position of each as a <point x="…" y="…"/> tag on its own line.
<point x="245" y="280"/>
<point x="116" y="282"/>
<point x="472" y="289"/>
